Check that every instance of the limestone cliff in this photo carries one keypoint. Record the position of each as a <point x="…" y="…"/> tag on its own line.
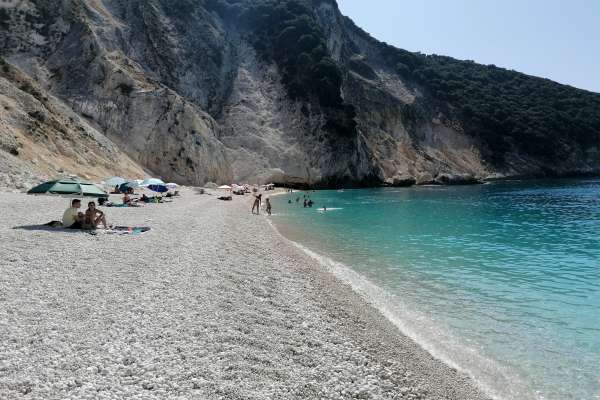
<point x="288" y="91"/>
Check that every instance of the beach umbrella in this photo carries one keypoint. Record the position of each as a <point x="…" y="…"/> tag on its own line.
<point x="68" y="187"/>
<point x="114" y="181"/>
<point x="224" y="187"/>
<point x="152" y="181"/>
<point x="158" y="188"/>
<point x="128" y="185"/>
<point x="172" y="185"/>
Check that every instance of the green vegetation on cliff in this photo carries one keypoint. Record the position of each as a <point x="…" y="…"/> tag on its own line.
<point x="285" y="32"/>
<point x="505" y="109"/>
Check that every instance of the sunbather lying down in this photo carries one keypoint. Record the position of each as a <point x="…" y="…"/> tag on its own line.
<point x="225" y="198"/>
<point x="132" y="204"/>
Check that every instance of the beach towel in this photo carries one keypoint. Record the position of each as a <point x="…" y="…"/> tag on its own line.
<point x="130" y="230"/>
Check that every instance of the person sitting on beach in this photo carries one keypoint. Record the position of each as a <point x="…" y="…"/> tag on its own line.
<point x="93" y="217"/>
<point x="257" y="201"/>
<point x="72" y="218"/>
<point x="127" y="199"/>
<point x="144" y="198"/>
<point x="268" y="203"/>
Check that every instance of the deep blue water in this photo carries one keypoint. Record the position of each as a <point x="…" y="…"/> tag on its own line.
<point x="502" y="280"/>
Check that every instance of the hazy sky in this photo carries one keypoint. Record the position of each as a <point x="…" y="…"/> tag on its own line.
<point x="556" y="39"/>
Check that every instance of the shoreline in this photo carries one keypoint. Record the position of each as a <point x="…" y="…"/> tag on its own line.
<point x="404" y="321"/>
<point x="213" y="303"/>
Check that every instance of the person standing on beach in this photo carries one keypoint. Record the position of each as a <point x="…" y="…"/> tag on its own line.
<point x="268" y="203"/>
<point x="257" y="200"/>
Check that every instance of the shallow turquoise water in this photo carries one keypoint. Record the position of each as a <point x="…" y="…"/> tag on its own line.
<point x="503" y="280"/>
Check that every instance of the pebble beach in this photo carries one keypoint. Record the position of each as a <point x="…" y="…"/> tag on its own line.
<point x="212" y="303"/>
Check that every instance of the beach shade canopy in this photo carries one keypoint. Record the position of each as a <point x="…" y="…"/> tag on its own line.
<point x="114" y="181"/>
<point x="128" y="185"/>
<point x="68" y="188"/>
<point x="152" y="181"/>
<point x="158" y="188"/>
<point x="225" y="187"/>
<point x="172" y="185"/>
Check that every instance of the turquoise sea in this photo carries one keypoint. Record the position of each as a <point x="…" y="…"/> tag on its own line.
<point x="500" y="280"/>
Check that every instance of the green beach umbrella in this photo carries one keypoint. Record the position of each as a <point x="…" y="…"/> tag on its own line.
<point x="68" y="188"/>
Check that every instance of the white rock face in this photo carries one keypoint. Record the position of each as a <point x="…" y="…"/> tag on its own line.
<point x="40" y="137"/>
<point x="184" y="94"/>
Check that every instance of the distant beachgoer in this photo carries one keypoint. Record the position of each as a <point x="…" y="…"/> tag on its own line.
<point x="268" y="203"/>
<point x="297" y="199"/>
<point x="290" y="201"/>
<point x="93" y="217"/>
<point x="72" y="218"/>
<point x="305" y="203"/>
<point x="127" y="199"/>
<point x="117" y="189"/>
<point x="324" y="208"/>
<point x="257" y="201"/>
<point x="310" y="203"/>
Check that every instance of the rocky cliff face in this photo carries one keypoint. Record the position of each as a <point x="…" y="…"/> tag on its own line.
<point x="191" y="91"/>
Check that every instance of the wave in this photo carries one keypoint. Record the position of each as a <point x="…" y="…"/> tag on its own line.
<point x="495" y="380"/>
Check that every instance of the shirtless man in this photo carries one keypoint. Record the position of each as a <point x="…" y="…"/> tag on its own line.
<point x="93" y="216"/>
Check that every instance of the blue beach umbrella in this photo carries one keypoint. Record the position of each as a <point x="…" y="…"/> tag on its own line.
<point x="158" y="188"/>
<point x="128" y="185"/>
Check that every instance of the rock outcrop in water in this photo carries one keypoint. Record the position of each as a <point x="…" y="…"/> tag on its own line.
<point x="286" y="91"/>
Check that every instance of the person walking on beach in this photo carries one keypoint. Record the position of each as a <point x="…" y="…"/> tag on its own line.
<point x="268" y="203"/>
<point x="257" y="201"/>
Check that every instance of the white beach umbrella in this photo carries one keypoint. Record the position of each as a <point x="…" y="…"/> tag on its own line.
<point x="152" y="181"/>
<point x="172" y="185"/>
<point x="114" y="181"/>
<point x="225" y="187"/>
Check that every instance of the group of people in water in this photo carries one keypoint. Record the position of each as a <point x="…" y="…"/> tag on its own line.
<point x="307" y="202"/>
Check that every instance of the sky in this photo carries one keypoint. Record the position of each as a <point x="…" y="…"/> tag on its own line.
<point x="555" y="39"/>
